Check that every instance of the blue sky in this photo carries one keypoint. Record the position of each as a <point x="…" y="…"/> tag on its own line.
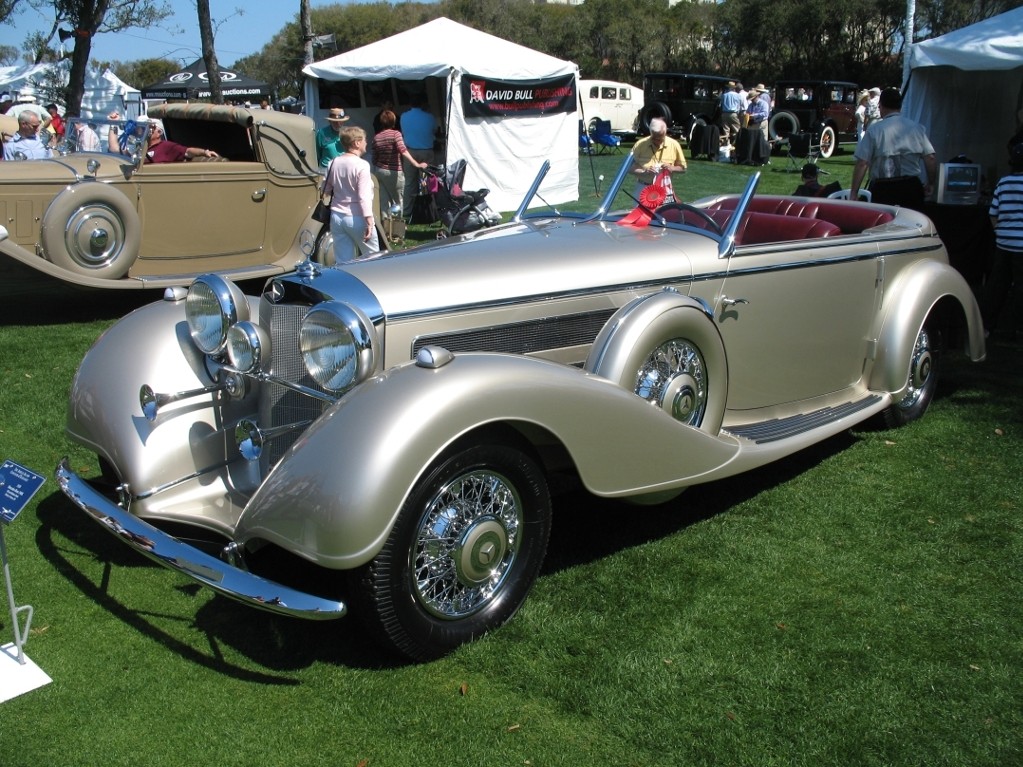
<point x="178" y="37"/>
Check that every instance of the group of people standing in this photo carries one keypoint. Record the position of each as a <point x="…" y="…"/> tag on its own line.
<point x="398" y="153"/>
<point x="744" y="108"/>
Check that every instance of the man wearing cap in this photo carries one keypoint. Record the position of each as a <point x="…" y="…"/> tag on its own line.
<point x="159" y="149"/>
<point x="759" y="108"/>
<point x="898" y="155"/>
<point x="328" y="138"/>
<point x="873" y="106"/>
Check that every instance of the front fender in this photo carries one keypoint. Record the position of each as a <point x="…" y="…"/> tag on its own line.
<point x="152" y="346"/>
<point x="911" y="299"/>
<point x="335" y="495"/>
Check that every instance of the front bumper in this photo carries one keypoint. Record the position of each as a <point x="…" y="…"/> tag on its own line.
<point x="168" y="551"/>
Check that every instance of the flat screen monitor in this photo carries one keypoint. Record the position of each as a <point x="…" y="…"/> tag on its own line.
<point x="958" y="183"/>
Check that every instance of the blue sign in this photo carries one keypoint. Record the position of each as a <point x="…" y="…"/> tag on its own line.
<point x="17" y="486"/>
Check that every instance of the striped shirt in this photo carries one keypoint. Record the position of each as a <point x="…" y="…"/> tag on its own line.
<point x="1007" y="210"/>
<point x="388" y="147"/>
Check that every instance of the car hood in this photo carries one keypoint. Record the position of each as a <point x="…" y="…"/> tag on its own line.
<point x="64" y="170"/>
<point x="534" y="258"/>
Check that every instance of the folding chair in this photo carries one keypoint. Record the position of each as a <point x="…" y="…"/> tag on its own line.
<point x="585" y="142"/>
<point x="843" y="194"/>
<point x="605" y="141"/>
<point x="804" y="147"/>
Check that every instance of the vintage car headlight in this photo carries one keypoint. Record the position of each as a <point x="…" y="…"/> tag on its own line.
<point x="213" y="305"/>
<point x="247" y="347"/>
<point x="338" y="345"/>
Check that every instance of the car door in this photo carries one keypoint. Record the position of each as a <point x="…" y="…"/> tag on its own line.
<point x="795" y="319"/>
<point x="213" y="210"/>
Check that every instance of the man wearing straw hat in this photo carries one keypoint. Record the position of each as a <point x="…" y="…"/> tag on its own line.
<point x="328" y="138"/>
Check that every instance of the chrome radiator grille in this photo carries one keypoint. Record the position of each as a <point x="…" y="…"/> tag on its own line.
<point x="279" y="406"/>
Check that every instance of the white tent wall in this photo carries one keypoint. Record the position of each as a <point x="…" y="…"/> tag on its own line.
<point x="966" y="89"/>
<point x="967" y="113"/>
<point x="503" y="154"/>
<point x="104" y="91"/>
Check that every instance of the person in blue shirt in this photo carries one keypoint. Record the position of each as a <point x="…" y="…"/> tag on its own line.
<point x="1006" y="213"/>
<point x="26" y="144"/>
<point x="419" y="129"/>
<point x="731" y="108"/>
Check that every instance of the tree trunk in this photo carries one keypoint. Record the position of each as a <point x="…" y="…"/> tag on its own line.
<point x="209" y="53"/>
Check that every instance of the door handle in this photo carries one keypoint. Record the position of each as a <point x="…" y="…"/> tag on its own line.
<point x="259" y="195"/>
<point x="726" y="301"/>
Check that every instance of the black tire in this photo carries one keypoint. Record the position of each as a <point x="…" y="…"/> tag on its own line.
<point x="463" y="553"/>
<point x="828" y="141"/>
<point x="923" y="378"/>
<point x="92" y="229"/>
<point x="781" y="125"/>
<point x="592" y="127"/>
<point x="652" y="110"/>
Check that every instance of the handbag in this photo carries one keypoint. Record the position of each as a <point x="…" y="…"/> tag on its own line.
<point x="321" y="212"/>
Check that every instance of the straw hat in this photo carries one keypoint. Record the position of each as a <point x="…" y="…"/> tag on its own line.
<point x="337" y="115"/>
<point x="759" y="88"/>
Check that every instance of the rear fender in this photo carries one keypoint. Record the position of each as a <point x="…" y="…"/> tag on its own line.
<point x="335" y="494"/>
<point x="911" y="299"/>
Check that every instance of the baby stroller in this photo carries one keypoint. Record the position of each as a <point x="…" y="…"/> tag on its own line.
<point x="458" y="210"/>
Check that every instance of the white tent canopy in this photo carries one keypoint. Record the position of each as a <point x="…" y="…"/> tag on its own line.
<point x="104" y="91"/>
<point x="966" y="88"/>
<point x="503" y="153"/>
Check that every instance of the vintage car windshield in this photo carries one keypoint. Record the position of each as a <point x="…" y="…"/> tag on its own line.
<point x="619" y="199"/>
<point x="93" y="135"/>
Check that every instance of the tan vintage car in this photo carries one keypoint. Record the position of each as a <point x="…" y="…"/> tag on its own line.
<point x="103" y="219"/>
<point x="398" y="420"/>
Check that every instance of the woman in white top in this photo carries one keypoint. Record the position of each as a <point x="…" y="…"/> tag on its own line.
<point x="349" y="182"/>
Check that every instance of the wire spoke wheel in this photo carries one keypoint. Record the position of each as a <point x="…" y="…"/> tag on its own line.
<point x="674" y="377"/>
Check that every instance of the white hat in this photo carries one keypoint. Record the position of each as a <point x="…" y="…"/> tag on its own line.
<point x="875" y="91"/>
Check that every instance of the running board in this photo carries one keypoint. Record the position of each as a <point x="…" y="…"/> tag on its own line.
<point x="783" y="428"/>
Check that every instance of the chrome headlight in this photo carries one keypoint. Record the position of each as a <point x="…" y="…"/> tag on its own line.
<point x="338" y="344"/>
<point x="247" y="347"/>
<point x="213" y="305"/>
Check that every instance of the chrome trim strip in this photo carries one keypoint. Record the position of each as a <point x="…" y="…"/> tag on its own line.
<point x="168" y="551"/>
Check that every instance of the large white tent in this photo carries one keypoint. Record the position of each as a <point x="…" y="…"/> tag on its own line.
<point x="966" y="88"/>
<point x="104" y="91"/>
<point x="503" y="151"/>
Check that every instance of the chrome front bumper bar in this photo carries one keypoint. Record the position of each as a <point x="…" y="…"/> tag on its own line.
<point x="168" y="551"/>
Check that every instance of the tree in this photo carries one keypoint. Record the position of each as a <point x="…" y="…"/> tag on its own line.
<point x="209" y="51"/>
<point x="7" y="8"/>
<point x="88" y="18"/>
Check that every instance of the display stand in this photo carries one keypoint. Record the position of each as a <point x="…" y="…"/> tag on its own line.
<point x="17" y="673"/>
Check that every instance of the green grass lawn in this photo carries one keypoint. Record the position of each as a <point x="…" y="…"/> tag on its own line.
<point x="855" y="604"/>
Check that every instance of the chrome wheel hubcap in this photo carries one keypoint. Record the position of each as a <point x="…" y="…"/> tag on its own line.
<point x="466" y="545"/>
<point x="674" y="378"/>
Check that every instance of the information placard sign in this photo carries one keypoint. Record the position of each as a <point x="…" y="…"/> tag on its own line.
<point x="17" y="486"/>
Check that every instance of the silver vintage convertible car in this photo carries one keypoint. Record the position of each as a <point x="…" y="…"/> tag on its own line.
<point x="395" y="423"/>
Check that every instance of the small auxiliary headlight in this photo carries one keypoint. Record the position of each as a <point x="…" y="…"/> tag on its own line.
<point x="247" y="347"/>
<point x="212" y="306"/>
<point x="338" y="345"/>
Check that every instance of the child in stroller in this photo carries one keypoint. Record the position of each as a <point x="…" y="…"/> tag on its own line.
<point x="458" y="210"/>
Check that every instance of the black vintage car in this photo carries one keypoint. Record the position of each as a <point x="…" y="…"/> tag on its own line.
<point x="825" y="106"/>
<point x="682" y="100"/>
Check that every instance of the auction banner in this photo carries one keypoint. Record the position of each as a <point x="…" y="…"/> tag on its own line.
<point x="485" y="97"/>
